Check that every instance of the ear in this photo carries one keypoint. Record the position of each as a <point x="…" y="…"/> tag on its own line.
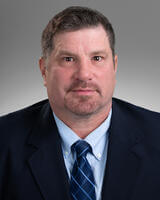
<point x="43" y="69"/>
<point x="115" y="63"/>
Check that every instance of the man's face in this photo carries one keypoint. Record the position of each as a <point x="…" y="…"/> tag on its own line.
<point x="80" y="73"/>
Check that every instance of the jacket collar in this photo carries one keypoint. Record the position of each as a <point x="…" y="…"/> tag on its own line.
<point x="46" y="162"/>
<point x="124" y="154"/>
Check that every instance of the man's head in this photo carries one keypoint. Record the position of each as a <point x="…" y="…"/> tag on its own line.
<point x="78" y="64"/>
<point x="72" y="19"/>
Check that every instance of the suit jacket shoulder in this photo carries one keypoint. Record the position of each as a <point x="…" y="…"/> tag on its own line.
<point x="14" y="125"/>
<point x="134" y="116"/>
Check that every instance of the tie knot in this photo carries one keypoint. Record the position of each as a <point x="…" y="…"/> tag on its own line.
<point x="81" y="148"/>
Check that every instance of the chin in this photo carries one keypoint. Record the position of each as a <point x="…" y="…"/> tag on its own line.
<point x="85" y="109"/>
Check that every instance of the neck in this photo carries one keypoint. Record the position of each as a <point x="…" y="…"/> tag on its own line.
<point x="83" y="125"/>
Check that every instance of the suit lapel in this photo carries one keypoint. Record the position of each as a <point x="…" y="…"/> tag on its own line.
<point x="124" y="160"/>
<point x="46" y="163"/>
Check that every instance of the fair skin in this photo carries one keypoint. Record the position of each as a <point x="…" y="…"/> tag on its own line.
<point x="79" y="75"/>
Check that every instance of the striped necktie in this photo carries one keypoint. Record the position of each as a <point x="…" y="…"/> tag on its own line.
<point x="82" y="185"/>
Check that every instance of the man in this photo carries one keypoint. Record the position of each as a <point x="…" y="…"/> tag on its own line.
<point x="82" y="143"/>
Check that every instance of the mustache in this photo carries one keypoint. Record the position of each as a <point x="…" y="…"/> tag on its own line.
<point x="83" y="84"/>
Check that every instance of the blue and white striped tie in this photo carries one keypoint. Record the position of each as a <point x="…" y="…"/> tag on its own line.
<point x="82" y="185"/>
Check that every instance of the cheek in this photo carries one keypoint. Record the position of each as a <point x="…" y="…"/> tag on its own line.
<point x="108" y="80"/>
<point x="59" y="80"/>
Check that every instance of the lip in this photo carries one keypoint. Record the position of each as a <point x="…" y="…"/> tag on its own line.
<point x="83" y="91"/>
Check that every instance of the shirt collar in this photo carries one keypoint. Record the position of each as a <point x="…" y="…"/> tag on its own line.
<point x="97" y="138"/>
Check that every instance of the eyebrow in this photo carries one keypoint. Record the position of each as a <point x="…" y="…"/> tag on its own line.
<point x="99" y="52"/>
<point x="65" y="52"/>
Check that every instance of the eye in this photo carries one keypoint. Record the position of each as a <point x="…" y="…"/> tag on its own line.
<point x="68" y="59"/>
<point x="97" y="58"/>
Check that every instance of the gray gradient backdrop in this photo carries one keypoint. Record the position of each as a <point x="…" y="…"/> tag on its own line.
<point x="137" y="27"/>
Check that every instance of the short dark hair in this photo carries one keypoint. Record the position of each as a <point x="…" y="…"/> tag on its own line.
<point x="72" y="19"/>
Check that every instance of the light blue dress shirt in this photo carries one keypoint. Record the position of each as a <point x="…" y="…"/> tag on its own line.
<point x="98" y="139"/>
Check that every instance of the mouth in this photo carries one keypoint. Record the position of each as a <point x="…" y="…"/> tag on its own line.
<point x="85" y="91"/>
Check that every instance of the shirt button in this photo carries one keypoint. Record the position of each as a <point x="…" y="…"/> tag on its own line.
<point x="66" y="152"/>
<point x="98" y="155"/>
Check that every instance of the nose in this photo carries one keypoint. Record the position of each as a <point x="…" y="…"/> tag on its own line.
<point x="84" y="71"/>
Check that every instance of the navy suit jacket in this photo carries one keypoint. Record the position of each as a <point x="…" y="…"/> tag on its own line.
<point x="32" y="165"/>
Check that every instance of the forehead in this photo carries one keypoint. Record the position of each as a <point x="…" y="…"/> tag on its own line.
<point x="86" y="38"/>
